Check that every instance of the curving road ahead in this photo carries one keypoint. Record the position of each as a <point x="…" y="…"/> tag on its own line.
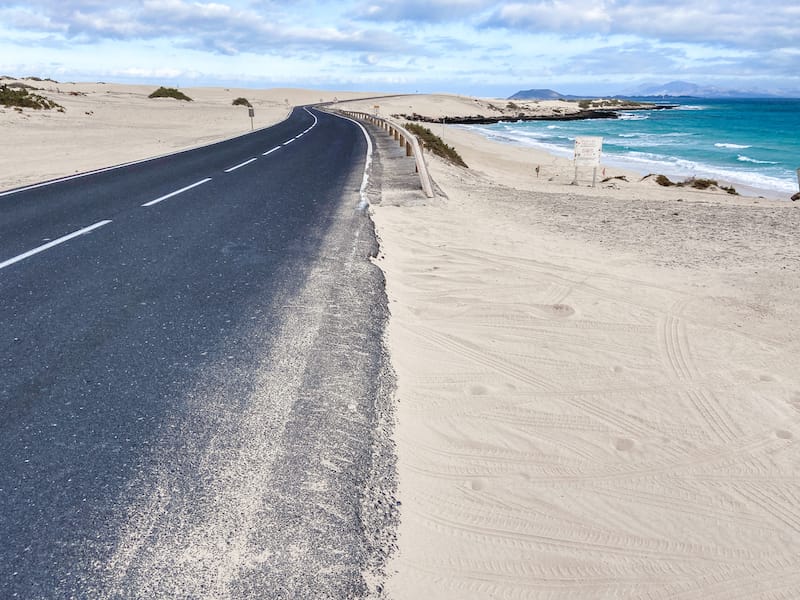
<point x="193" y="387"/>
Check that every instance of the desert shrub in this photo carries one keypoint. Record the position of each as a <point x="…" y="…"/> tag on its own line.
<point x="23" y="86"/>
<point x="512" y="106"/>
<point x="584" y="104"/>
<point x="22" y="98"/>
<point x="164" y="92"/>
<point x="693" y="182"/>
<point x="664" y="180"/>
<point x="700" y="184"/>
<point x="436" y="145"/>
<point x="242" y="102"/>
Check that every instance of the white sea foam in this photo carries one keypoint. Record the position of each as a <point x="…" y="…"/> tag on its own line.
<point x="647" y="162"/>
<point x="526" y="138"/>
<point x="689" y="107"/>
<point x="633" y="117"/>
<point x="769" y="177"/>
<point x="646" y="140"/>
<point x="747" y="159"/>
<point x="733" y="146"/>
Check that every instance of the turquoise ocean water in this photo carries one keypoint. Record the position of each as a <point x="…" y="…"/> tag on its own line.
<point x="752" y="143"/>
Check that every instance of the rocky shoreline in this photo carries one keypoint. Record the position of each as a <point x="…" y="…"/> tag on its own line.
<point x="580" y="115"/>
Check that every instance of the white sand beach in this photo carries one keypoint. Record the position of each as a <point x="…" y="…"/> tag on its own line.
<point x="598" y="388"/>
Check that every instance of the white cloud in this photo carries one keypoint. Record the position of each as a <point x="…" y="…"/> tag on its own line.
<point x="740" y="23"/>
<point x="451" y="44"/>
<point x="553" y="15"/>
<point x="419" y="11"/>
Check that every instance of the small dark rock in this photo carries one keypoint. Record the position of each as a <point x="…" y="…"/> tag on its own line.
<point x="796" y="197"/>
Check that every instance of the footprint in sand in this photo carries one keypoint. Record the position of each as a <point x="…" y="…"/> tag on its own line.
<point x="783" y="434"/>
<point x="562" y="310"/>
<point x="478" y="484"/>
<point x="623" y="444"/>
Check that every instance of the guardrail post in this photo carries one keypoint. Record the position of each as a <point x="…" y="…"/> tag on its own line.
<point x="413" y="146"/>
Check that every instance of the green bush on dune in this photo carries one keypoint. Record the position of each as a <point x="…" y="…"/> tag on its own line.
<point x="242" y="102"/>
<point x="436" y="145"/>
<point x="697" y="183"/>
<point x="19" y="97"/>
<point x="165" y="92"/>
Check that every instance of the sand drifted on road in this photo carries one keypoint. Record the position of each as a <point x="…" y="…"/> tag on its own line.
<point x="598" y="389"/>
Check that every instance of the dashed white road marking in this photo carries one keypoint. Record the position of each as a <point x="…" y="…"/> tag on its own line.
<point x="85" y="230"/>
<point x="176" y="192"/>
<point x="240" y="165"/>
<point x="49" y="245"/>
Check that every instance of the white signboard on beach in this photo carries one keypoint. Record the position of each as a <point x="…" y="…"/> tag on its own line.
<point x="588" y="150"/>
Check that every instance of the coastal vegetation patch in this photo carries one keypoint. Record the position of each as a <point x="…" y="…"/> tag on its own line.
<point x="19" y="97"/>
<point x="615" y="103"/>
<point x="242" y="102"/>
<point x="435" y="144"/>
<point x="698" y="183"/>
<point x="165" y="92"/>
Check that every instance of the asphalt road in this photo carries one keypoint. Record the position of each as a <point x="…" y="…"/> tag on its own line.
<point x="194" y="394"/>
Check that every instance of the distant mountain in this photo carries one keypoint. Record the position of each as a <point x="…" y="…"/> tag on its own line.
<point x="545" y="94"/>
<point x="673" y="89"/>
<point x="685" y="88"/>
<point x="537" y="95"/>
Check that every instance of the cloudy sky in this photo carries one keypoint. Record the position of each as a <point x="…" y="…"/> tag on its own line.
<point x="478" y="47"/>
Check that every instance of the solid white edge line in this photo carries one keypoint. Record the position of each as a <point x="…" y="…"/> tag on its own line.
<point x="365" y="180"/>
<point x="176" y="192"/>
<point x="271" y="151"/>
<point x="240" y="165"/>
<point x="49" y="245"/>
<point x="316" y="120"/>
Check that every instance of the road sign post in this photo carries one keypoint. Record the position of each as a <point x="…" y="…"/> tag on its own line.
<point x="587" y="154"/>
<point x="252" y="112"/>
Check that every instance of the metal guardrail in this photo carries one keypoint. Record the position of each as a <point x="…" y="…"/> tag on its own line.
<point x="406" y="139"/>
